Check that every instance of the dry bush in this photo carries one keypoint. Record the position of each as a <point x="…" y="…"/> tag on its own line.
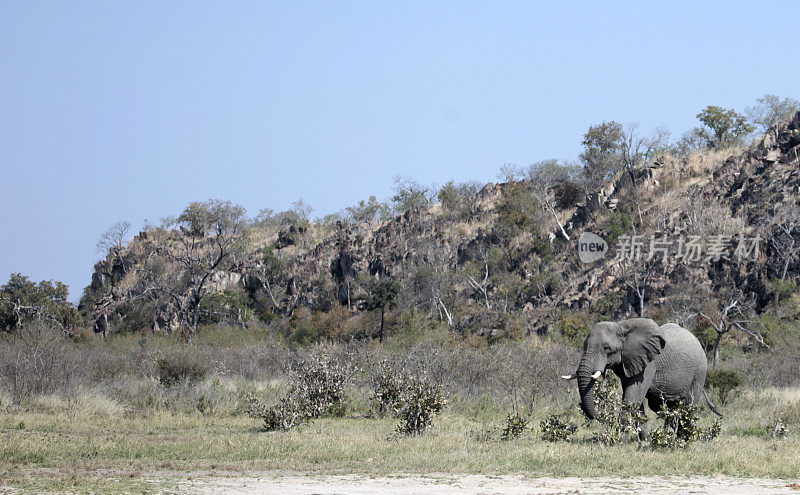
<point x="186" y="365"/>
<point x="318" y="389"/>
<point x="35" y="361"/>
<point x="767" y="369"/>
<point x="420" y="402"/>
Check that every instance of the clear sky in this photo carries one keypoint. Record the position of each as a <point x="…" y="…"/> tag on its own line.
<point x="129" y="110"/>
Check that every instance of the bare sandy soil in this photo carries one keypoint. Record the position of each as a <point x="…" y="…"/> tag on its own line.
<point x="473" y="484"/>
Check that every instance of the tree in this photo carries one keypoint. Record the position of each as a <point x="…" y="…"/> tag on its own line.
<point x="432" y="280"/>
<point x="479" y="270"/>
<point x="460" y="199"/>
<point x="784" y="237"/>
<point x="770" y="109"/>
<point x="730" y="315"/>
<point x="723" y="127"/>
<point x="114" y="238"/>
<point x="382" y="295"/>
<point x="636" y="274"/>
<point x="545" y="177"/>
<point x="510" y="173"/>
<point x="410" y="195"/>
<point x="636" y="150"/>
<point x="23" y="301"/>
<point x="368" y="211"/>
<point x="189" y="251"/>
<point x="601" y="152"/>
<point x="270" y="274"/>
<point x="518" y="211"/>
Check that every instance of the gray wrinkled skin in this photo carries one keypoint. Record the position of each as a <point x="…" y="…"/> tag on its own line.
<point x="659" y="364"/>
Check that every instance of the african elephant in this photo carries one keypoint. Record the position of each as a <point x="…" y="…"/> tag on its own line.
<point x="660" y="364"/>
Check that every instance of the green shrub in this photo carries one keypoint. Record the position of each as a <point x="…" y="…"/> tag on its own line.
<point x="554" y="429"/>
<point x="619" y="421"/>
<point x="726" y="383"/>
<point x="607" y="306"/>
<point x="226" y="306"/>
<point x="618" y="224"/>
<point x="318" y="390"/>
<point x="574" y="327"/>
<point x="680" y="428"/>
<point x="783" y="288"/>
<point x="517" y="210"/>
<point x="516" y="424"/>
<point x="387" y="389"/>
<point x="706" y="334"/>
<point x="544" y="248"/>
<point x="182" y="366"/>
<point x="303" y="329"/>
<point x="421" y="401"/>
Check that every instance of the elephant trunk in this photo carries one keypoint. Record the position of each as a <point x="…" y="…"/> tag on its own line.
<point x="586" y="384"/>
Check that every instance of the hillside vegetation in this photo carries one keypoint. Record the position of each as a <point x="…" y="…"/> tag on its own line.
<point x="497" y="260"/>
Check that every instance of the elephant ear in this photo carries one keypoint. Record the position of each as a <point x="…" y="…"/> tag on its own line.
<point x="642" y="344"/>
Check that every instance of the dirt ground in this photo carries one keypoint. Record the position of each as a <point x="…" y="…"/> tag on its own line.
<point x="474" y="484"/>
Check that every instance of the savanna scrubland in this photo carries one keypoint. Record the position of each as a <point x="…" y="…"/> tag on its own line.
<point x="424" y="334"/>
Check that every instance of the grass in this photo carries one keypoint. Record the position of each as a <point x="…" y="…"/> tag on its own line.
<point x="111" y="427"/>
<point x="74" y="449"/>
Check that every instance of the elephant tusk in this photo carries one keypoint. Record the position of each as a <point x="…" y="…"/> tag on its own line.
<point x="598" y="375"/>
<point x="569" y="377"/>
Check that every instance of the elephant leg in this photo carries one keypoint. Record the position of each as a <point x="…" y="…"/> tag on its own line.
<point x="644" y="430"/>
<point x="633" y="393"/>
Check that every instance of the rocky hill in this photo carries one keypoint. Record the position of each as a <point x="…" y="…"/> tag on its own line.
<point x="708" y="226"/>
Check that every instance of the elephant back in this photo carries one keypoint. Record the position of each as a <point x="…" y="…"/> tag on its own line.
<point x="683" y="346"/>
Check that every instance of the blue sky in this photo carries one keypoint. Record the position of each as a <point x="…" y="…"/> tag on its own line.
<point x="129" y="110"/>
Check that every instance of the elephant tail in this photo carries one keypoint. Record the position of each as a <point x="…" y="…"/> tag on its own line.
<point x="711" y="405"/>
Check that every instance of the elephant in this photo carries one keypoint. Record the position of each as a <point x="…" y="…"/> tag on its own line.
<point x="663" y="364"/>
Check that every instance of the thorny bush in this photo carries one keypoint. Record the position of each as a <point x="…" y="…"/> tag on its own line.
<point x="619" y="421"/>
<point x="680" y="428"/>
<point x="420" y="403"/>
<point x="554" y="429"/>
<point x="516" y="424"/>
<point x="387" y="389"/>
<point x="318" y="389"/>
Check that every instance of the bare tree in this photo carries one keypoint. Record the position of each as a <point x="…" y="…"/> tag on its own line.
<point x="483" y="286"/>
<point x="189" y="251"/>
<point x="432" y="282"/>
<point x="470" y="194"/>
<point x="636" y="149"/>
<point x="728" y="316"/>
<point x="636" y="275"/>
<point x="114" y="238"/>
<point x="770" y="109"/>
<point x="784" y="236"/>
<point x="302" y="209"/>
<point x="544" y="179"/>
<point x="510" y="173"/>
<point x="269" y="273"/>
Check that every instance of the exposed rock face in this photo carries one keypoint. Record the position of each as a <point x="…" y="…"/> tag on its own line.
<point x="321" y="260"/>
